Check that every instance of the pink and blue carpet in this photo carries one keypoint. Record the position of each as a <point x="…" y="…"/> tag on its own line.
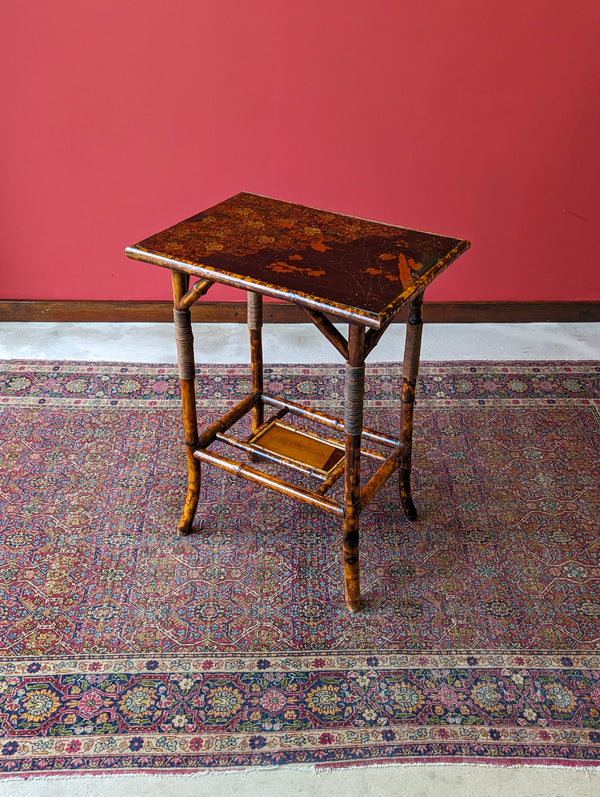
<point x="124" y="647"/>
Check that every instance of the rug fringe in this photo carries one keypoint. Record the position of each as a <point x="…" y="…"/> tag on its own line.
<point x="309" y="769"/>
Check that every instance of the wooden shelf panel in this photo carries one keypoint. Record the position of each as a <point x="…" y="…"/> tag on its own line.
<point x="299" y="446"/>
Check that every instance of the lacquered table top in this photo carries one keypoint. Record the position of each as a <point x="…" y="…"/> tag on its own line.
<point x="359" y="270"/>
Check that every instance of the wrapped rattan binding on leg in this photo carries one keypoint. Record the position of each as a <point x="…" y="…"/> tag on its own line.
<point x="354" y="388"/>
<point x="184" y="340"/>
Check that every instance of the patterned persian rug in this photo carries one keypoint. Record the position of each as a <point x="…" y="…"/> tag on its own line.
<point x="124" y="647"/>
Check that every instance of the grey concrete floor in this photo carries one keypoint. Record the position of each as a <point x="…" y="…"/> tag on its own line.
<point x="287" y="343"/>
<point x="302" y="343"/>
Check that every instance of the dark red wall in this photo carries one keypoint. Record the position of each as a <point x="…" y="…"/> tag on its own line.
<point x="474" y="118"/>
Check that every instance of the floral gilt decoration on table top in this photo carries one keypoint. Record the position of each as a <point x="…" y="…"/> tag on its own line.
<point x="343" y="259"/>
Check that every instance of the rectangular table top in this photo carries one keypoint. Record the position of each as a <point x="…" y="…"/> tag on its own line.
<point x="359" y="270"/>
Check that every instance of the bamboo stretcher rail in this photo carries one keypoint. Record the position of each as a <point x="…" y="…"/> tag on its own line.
<point x="224" y="423"/>
<point x="244" y="471"/>
<point x="327" y="420"/>
<point x="198" y="289"/>
<point x="379" y="478"/>
<point x="266" y="453"/>
<point x="368" y="452"/>
<point x="333" y="477"/>
<point x="373" y="335"/>
<point x="275" y="417"/>
<point x="325" y="326"/>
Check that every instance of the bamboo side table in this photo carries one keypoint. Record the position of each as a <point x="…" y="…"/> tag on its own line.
<point x="355" y="270"/>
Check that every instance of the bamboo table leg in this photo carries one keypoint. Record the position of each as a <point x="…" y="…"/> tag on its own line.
<point x="185" y="358"/>
<point x="410" y="370"/>
<point x="353" y="423"/>
<point x="255" y="319"/>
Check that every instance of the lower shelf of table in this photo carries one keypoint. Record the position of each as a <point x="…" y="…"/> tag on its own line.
<point x="321" y="457"/>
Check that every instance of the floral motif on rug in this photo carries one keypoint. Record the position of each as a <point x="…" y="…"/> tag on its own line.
<point x="124" y="647"/>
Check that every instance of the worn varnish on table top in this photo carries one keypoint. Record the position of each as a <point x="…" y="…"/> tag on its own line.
<point x="356" y="269"/>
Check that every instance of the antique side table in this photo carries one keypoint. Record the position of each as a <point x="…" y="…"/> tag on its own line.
<point x="330" y="265"/>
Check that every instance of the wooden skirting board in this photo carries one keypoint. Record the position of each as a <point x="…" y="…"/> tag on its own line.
<point x="281" y="313"/>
